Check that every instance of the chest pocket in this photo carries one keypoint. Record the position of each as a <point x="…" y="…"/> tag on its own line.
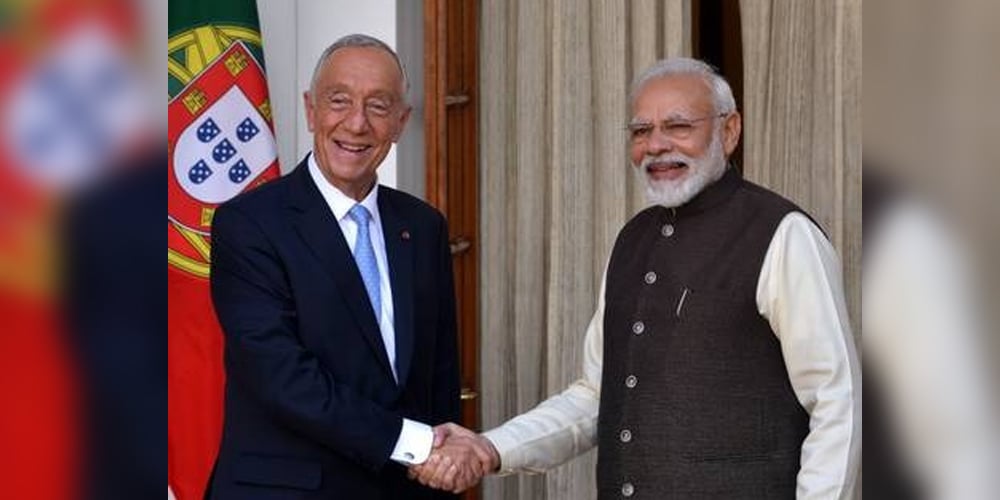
<point x="716" y="317"/>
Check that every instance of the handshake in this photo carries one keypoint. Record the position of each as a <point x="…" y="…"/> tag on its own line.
<point x="458" y="461"/>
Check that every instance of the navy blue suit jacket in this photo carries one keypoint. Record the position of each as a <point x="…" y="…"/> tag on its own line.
<point x="312" y="409"/>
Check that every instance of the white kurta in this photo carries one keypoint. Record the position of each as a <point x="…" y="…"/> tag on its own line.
<point x="801" y="294"/>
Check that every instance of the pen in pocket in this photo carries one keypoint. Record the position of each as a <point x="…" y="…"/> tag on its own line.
<point x="680" y="303"/>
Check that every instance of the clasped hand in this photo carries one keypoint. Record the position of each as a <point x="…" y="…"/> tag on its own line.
<point x="459" y="460"/>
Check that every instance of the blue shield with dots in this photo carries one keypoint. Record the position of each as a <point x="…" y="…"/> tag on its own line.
<point x="208" y="130"/>
<point x="246" y="131"/>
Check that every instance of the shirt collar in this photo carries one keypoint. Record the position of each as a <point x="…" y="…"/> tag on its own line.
<point x="339" y="202"/>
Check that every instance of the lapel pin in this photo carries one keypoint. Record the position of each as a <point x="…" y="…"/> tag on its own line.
<point x="405" y="235"/>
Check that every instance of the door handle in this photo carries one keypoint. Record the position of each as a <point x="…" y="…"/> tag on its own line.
<point x="459" y="245"/>
<point x="468" y="394"/>
<point x="455" y="99"/>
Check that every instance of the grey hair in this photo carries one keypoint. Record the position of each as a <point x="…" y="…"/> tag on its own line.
<point x="722" y="94"/>
<point x="357" y="40"/>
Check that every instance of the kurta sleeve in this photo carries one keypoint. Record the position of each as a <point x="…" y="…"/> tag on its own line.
<point x="564" y="425"/>
<point x="800" y="292"/>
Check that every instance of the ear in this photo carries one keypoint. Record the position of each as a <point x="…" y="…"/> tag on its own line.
<point x="403" y="118"/>
<point x="731" y="132"/>
<point x="310" y="108"/>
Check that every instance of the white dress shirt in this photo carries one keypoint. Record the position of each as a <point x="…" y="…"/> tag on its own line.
<point x="800" y="293"/>
<point x="415" y="439"/>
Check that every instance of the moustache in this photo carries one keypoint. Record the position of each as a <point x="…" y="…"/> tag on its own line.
<point x="667" y="160"/>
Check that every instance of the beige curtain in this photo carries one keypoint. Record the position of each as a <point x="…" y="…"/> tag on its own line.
<point x="556" y="188"/>
<point x="802" y="115"/>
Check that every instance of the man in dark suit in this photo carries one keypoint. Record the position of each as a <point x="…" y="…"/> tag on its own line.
<point x="337" y="302"/>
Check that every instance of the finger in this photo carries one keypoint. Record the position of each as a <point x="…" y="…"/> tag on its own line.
<point x="441" y="433"/>
<point x="438" y="481"/>
<point x="482" y="457"/>
<point x="461" y="483"/>
<point x="448" y="481"/>
<point x="439" y="436"/>
<point x="481" y="452"/>
<point x="414" y="471"/>
<point x="487" y="454"/>
<point x="467" y="480"/>
<point x="425" y="472"/>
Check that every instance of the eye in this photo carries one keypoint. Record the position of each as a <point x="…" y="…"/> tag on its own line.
<point x="339" y="102"/>
<point x="640" y="130"/>
<point x="679" y="127"/>
<point x="378" y="108"/>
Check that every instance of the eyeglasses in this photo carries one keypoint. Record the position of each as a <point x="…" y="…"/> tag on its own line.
<point x="676" y="129"/>
<point x="374" y="107"/>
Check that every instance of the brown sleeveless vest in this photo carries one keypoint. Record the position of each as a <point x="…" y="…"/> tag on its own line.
<point x="695" y="397"/>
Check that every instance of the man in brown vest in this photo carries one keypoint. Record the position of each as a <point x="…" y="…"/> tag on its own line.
<point x="719" y="362"/>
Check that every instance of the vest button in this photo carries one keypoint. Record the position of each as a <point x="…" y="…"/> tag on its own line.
<point x="628" y="490"/>
<point x="667" y="230"/>
<point x="650" y="278"/>
<point x="625" y="435"/>
<point x="630" y="381"/>
<point x="638" y="327"/>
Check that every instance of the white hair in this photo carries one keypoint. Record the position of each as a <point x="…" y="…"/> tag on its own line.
<point x="722" y="94"/>
<point x="357" y="40"/>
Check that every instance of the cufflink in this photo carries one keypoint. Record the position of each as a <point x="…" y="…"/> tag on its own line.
<point x="408" y="456"/>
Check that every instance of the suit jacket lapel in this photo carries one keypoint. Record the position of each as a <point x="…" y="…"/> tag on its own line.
<point x="399" y="254"/>
<point x="321" y="233"/>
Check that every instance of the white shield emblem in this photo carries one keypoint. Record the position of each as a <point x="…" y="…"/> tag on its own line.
<point x="224" y="149"/>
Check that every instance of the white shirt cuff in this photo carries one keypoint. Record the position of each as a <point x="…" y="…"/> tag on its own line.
<point x="414" y="443"/>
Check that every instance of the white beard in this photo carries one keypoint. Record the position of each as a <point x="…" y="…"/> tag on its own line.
<point x="701" y="172"/>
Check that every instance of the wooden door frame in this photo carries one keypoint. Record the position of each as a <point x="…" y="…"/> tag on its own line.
<point x="451" y="88"/>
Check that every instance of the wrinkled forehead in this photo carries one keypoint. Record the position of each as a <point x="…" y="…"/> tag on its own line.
<point x="673" y="97"/>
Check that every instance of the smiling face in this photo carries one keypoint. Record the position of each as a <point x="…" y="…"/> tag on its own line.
<point x="355" y="111"/>
<point x="679" y="142"/>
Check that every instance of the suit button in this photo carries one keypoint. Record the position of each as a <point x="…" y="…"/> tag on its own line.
<point x="667" y="230"/>
<point x="638" y="327"/>
<point x="625" y="435"/>
<point x="650" y="278"/>
<point x="628" y="490"/>
<point x="630" y="381"/>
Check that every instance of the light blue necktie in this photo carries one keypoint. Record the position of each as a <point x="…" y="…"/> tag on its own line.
<point x="364" y="256"/>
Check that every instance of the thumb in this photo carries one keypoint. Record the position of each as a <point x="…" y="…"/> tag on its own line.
<point x="441" y="433"/>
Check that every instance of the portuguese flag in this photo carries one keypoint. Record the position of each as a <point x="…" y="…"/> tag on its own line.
<point x="65" y="115"/>
<point x="221" y="143"/>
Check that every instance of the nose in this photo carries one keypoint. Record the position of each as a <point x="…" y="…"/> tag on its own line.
<point x="356" y="122"/>
<point x="659" y="142"/>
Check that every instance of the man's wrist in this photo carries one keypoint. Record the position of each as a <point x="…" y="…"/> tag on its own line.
<point x="414" y="443"/>
<point x="494" y="465"/>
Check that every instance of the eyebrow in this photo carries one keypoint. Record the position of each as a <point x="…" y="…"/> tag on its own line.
<point x="388" y="96"/>
<point x="385" y="95"/>
<point x="671" y="116"/>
